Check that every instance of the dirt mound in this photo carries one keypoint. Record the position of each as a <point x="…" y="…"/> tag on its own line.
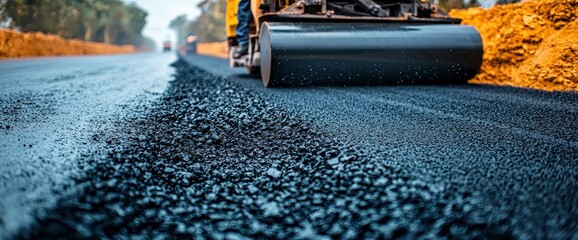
<point x="530" y="44"/>
<point x="15" y="44"/>
<point x="217" y="49"/>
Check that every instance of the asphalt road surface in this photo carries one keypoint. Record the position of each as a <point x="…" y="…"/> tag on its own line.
<point x="146" y="146"/>
<point x="52" y="112"/>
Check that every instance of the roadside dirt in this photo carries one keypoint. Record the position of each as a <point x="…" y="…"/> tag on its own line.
<point x="217" y="49"/>
<point x="531" y="44"/>
<point x="15" y="44"/>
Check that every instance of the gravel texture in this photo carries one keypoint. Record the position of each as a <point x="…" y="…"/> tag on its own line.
<point x="213" y="160"/>
<point x="50" y="109"/>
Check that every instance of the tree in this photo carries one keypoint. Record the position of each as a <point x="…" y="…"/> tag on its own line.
<point x="210" y="25"/>
<point x="3" y="17"/>
<point x="90" y="16"/>
<point x="448" y="5"/>
<point x="179" y="25"/>
<point x="134" y="26"/>
<point x="178" y="22"/>
<point x="473" y="3"/>
<point x="109" y="21"/>
<point x="507" y="1"/>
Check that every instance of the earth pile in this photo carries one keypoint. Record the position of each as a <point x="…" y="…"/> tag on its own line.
<point x="530" y="44"/>
<point x="217" y="49"/>
<point x="15" y="44"/>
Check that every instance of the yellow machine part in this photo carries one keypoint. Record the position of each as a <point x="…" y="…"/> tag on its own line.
<point x="231" y="16"/>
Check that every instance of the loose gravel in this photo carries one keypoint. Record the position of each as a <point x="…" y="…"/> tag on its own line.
<point x="212" y="160"/>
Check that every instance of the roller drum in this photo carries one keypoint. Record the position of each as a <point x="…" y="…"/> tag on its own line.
<point x="304" y="54"/>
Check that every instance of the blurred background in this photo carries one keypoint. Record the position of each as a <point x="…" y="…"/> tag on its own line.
<point x="141" y="23"/>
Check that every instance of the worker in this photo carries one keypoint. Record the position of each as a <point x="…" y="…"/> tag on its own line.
<point x="244" y="18"/>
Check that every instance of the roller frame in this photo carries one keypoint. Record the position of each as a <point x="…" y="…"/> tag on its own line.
<point x="407" y="17"/>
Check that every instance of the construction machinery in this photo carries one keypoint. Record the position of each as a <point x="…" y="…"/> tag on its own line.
<point x="167" y="46"/>
<point x="353" y="42"/>
<point x="191" y="43"/>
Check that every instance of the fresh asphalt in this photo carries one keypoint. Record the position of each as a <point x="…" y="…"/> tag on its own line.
<point x="52" y="112"/>
<point x="111" y="150"/>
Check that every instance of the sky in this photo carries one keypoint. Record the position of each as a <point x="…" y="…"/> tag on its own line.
<point x="161" y="12"/>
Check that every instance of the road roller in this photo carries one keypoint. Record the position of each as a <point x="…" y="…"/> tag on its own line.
<point x="354" y="42"/>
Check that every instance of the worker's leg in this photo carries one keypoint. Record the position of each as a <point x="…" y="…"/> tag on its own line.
<point x="244" y="17"/>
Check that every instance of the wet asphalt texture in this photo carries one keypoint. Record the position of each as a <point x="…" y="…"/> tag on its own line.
<point x="216" y="156"/>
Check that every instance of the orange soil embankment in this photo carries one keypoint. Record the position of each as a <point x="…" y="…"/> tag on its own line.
<point x="531" y="44"/>
<point x="15" y="44"/>
<point x="217" y="49"/>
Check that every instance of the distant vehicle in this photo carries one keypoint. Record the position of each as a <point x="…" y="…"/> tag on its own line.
<point x="191" y="43"/>
<point x="167" y="46"/>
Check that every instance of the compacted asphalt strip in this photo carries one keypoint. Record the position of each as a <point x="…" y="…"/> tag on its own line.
<point x="53" y="111"/>
<point x="217" y="156"/>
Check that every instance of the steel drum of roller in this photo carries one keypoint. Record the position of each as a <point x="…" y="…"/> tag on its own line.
<point x="306" y="54"/>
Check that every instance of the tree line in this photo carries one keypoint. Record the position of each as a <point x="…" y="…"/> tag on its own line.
<point x="208" y="27"/>
<point x="107" y="21"/>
